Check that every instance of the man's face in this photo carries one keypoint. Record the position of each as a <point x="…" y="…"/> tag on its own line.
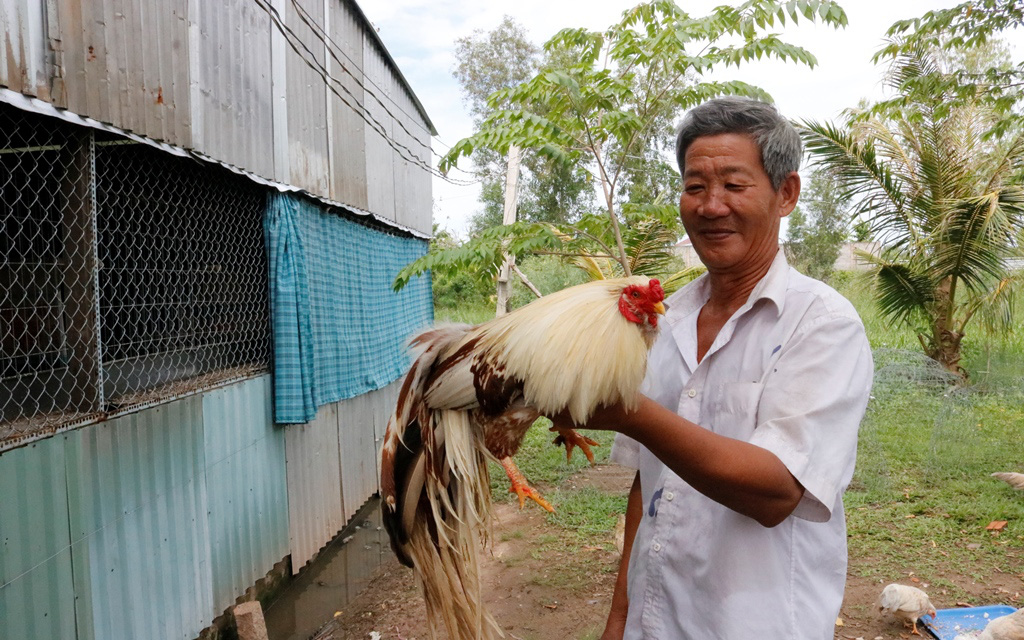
<point x="728" y="205"/>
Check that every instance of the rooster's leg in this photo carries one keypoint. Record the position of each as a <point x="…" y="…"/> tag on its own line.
<point x="571" y="439"/>
<point x="521" y="487"/>
<point x="915" y="631"/>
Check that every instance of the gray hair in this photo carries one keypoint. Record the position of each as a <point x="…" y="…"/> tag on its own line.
<point x="776" y="138"/>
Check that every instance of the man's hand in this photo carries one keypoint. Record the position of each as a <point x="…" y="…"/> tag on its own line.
<point x="605" y="418"/>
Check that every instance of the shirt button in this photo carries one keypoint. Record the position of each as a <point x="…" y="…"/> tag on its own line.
<point x="691" y="392"/>
<point x="656" y="546"/>
<point x="669" y="496"/>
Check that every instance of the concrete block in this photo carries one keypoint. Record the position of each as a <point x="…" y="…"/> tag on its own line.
<point x="249" y="621"/>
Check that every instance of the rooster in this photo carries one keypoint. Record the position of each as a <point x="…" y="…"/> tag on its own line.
<point x="469" y="397"/>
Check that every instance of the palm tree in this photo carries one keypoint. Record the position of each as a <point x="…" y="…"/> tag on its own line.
<point x="945" y="200"/>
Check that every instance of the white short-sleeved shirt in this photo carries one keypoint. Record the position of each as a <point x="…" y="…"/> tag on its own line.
<point x="790" y="371"/>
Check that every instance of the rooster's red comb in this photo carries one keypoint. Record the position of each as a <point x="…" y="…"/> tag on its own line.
<point x="657" y="292"/>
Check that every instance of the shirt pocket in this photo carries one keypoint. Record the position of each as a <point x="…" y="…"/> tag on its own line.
<point x="733" y="410"/>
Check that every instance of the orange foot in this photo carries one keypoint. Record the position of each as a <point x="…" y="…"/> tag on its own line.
<point x="521" y="487"/>
<point x="571" y="439"/>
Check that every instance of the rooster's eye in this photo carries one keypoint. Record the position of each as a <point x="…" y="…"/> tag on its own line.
<point x="635" y="294"/>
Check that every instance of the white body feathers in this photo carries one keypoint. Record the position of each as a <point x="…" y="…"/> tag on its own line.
<point x="905" y="602"/>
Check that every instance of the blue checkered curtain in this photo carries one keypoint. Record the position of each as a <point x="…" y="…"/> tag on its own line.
<point x="339" y="328"/>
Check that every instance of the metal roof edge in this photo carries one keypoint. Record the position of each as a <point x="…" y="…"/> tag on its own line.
<point x="391" y="61"/>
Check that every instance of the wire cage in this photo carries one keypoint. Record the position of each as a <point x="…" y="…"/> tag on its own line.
<point x="128" y="276"/>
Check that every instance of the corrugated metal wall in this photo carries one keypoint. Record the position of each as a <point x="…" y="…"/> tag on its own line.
<point x="307" y="104"/>
<point x="315" y="511"/>
<point x="380" y="155"/>
<point x="332" y="468"/>
<point x="124" y="62"/>
<point x="348" y="151"/>
<point x="219" y="78"/>
<point x="139" y="526"/>
<point x="23" y="58"/>
<point x="246" y="487"/>
<point x="231" y="84"/>
<point x="37" y="598"/>
<point x="152" y="524"/>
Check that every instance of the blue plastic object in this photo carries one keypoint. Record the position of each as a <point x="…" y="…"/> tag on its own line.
<point x="948" y="623"/>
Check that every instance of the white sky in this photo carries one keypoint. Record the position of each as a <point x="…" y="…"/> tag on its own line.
<point x="421" y="34"/>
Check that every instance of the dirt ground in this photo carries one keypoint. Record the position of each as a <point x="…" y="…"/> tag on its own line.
<point x="562" y="596"/>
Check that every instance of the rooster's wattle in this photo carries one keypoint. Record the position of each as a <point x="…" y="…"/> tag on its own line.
<point x="470" y="395"/>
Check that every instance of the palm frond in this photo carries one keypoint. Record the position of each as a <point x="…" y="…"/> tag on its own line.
<point x="995" y="307"/>
<point x="675" y="281"/>
<point x="648" y="247"/>
<point x="902" y="294"/>
<point x="866" y="178"/>
<point x="977" y="234"/>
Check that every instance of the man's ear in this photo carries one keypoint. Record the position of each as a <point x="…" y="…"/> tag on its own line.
<point x="789" y="194"/>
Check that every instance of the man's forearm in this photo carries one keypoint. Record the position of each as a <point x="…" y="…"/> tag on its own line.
<point x="742" y="476"/>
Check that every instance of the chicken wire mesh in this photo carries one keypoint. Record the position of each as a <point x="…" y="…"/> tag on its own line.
<point x="127" y="276"/>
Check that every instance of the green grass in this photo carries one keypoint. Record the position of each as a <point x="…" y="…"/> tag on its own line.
<point x="471" y="312"/>
<point x="921" y="495"/>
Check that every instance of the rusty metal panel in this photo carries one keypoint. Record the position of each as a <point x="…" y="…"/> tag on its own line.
<point x="245" y="486"/>
<point x="380" y="155"/>
<point x="315" y="512"/>
<point x="307" y="101"/>
<point x="125" y="62"/>
<point x="348" y="128"/>
<point x="139" y="532"/>
<point x="24" y="51"/>
<point x="36" y="593"/>
<point x="232" y="110"/>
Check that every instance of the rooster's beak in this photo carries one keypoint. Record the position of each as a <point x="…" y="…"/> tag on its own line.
<point x="659" y="307"/>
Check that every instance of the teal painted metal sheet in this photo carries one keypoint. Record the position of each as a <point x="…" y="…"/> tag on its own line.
<point x="36" y="595"/>
<point x="139" y="534"/>
<point x="246" y="487"/>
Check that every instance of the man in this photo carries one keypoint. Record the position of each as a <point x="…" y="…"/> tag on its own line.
<point x="746" y="437"/>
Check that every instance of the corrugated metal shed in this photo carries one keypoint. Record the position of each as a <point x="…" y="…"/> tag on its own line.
<point x="315" y="511"/>
<point x="223" y="79"/>
<point x="245" y="487"/>
<point x="138" y="505"/>
<point x="36" y="592"/>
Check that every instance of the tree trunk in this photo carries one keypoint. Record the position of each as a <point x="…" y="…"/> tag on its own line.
<point x="511" y="185"/>
<point x="945" y="341"/>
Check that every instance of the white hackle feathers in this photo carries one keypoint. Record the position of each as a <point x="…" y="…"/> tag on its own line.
<point x="573" y="352"/>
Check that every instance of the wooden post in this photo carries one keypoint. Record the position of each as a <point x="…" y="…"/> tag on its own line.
<point x="511" y="185"/>
<point x="81" y="273"/>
